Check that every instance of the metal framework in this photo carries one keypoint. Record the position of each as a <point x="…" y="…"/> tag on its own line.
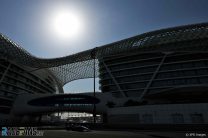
<point x="153" y="76"/>
<point x="80" y="65"/>
<point x="114" y="80"/>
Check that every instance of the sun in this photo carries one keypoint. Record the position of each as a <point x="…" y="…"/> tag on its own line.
<point x="66" y="24"/>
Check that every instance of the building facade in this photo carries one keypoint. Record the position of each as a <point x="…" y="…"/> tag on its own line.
<point x="16" y="80"/>
<point x="159" y="88"/>
<point x="160" y="77"/>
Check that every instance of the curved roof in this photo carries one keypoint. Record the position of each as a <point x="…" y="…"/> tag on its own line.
<point x="80" y="65"/>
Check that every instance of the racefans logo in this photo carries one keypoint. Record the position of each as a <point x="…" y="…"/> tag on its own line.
<point x="21" y="131"/>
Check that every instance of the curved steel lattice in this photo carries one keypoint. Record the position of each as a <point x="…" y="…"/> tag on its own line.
<point x="80" y="65"/>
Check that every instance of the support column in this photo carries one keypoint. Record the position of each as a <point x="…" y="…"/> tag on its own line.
<point x="153" y="76"/>
<point x="114" y="80"/>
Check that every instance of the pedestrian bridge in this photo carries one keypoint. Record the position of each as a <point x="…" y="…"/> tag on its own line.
<point x="28" y="104"/>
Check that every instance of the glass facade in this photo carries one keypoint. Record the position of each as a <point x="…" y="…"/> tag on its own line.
<point x="15" y="80"/>
<point x="153" y="72"/>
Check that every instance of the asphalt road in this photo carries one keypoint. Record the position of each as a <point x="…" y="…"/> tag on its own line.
<point x="116" y="134"/>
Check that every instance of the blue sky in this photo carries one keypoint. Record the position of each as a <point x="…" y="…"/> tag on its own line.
<point x="27" y="23"/>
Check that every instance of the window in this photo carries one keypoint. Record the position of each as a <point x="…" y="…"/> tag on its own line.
<point x="134" y="93"/>
<point x="158" y="84"/>
<point x="204" y="80"/>
<point x="187" y="65"/>
<point x="147" y="118"/>
<point x="177" y="118"/>
<point x="199" y="64"/>
<point x="192" y="81"/>
<point x="189" y="73"/>
<point x="4" y="110"/>
<point x="202" y="72"/>
<point x="169" y="82"/>
<point x="197" y="118"/>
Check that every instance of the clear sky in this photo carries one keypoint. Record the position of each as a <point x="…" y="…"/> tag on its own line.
<point x="29" y="23"/>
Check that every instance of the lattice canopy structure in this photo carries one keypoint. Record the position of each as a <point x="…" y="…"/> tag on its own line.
<point x="80" y="65"/>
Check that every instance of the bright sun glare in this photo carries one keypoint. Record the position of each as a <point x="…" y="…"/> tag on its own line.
<point x="66" y="24"/>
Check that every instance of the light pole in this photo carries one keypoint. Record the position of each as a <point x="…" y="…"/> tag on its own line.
<point x="93" y="55"/>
